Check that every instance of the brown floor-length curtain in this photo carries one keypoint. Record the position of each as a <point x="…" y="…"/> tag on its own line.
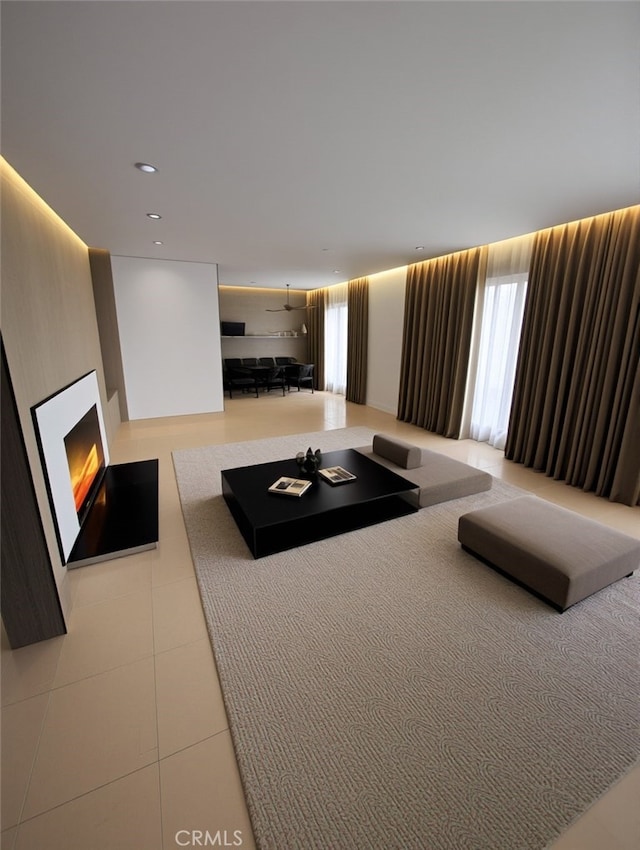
<point x="438" y="321"/>
<point x="315" y="325"/>
<point x="576" y="400"/>
<point x="357" y="339"/>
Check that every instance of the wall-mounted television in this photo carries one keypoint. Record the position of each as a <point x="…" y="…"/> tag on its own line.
<point x="232" y="328"/>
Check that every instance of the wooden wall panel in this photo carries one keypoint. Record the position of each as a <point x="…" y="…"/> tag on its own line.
<point x="104" y="297"/>
<point x="49" y="325"/>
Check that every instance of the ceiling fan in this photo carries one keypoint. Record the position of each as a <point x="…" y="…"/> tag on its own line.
<point x="288" y="306"/>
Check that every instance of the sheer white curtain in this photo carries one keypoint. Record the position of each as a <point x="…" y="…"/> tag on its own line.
<point x="500" y="306"/>
<point x="335" y="339"/>
<point x="500" y="336"/>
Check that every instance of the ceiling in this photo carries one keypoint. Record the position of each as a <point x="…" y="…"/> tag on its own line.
<point x="306" y="143"/>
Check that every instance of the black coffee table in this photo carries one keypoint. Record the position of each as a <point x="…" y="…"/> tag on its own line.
<point x="271" y="522"/>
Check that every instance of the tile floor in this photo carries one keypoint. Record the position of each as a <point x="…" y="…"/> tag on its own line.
<point x="114" y="737"/>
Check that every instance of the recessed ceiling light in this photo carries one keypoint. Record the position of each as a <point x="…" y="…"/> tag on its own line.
<point x="419" y="247"/>
<point x="336" y="271"/>
<point x="157" y="242"/>
<point x="146" y="167"/>
<point x="154" y="216"/>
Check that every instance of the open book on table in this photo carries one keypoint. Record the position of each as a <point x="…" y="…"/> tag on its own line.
<point x="290" y="486"/>
<point x="337" y="475"/>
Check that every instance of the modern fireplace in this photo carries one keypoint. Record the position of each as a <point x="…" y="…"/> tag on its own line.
<point x="100" y="511"/>
<point x="65" y="423"/>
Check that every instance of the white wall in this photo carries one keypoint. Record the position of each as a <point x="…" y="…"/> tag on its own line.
<point x="386" y="318"/>
<point x="169" y="324"/>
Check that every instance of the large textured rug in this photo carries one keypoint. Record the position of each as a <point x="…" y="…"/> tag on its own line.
<point x="387" y="690"/>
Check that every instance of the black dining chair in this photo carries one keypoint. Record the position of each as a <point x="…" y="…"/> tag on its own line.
<point x="227" y="364"/>
<point x="274" y="378"/>
<point x="300" y="374"/>
<point x="240" y="378"/>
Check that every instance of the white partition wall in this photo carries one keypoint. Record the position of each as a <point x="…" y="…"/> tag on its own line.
<point x="386" y="320"/>
<point x="169" y="325"/>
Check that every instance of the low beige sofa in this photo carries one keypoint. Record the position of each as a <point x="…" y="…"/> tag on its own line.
<point x="556" y="553"/>
<point x="437" y="478"/>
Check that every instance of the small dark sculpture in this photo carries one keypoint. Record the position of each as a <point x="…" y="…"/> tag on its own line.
<point x="310" y="461"/>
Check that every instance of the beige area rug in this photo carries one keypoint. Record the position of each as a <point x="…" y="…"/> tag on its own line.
<point x="386" y="690"/>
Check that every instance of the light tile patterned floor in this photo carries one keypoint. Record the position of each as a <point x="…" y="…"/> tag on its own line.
<point x="114" y="737"/>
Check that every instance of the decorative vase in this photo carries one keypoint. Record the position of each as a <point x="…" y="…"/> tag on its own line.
<point x="309" y="462"/>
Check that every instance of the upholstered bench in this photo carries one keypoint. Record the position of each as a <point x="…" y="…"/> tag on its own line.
<point x="437" y="478"/>
<point x="558" y="554"/>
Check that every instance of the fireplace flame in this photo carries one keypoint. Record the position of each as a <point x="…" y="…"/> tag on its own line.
<point x="82" y="481"/>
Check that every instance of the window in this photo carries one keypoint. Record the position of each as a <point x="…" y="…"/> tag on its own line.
<point x="335" y="339"/>
<point x="502" y="313"/>
<point x="500" y="304"/>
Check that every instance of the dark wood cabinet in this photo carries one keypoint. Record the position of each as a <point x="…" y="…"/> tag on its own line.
<point x="31" y="609"/>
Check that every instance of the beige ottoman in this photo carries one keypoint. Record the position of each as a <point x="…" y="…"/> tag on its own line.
<point x="558" y="554"/>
